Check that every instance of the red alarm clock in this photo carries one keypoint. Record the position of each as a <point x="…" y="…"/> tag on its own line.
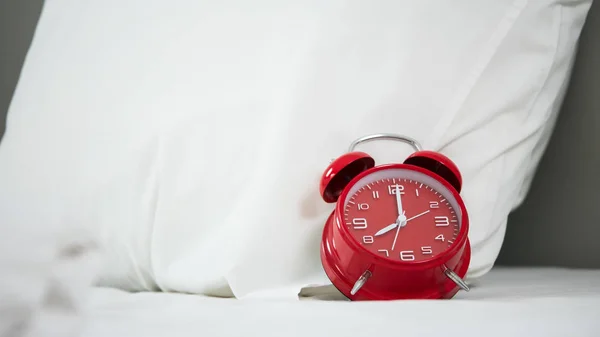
<point x="398" y="231"/>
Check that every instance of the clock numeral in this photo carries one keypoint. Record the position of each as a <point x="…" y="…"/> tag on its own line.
<point x="387" y="253"/>
<point x="407" y="255"/>
<point x="442" y="221"/>
<point x="367" y="239"/>
<point x="359" y="223"/>
<point x="375" y="194"/>
<point x="426" y="250"/>
<point x="440" y="237"/>
<point x="392" y="189"/>
<point x="434" y="204"/>
<point x="362" y="207"/>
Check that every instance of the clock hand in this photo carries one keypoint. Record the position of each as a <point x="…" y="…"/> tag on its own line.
<point x="418" y="215"/>
<point x="386" y="229"/>
<point x="402" y="223"/>
<point x="399" y="201"/>
<point x="392" y="226"/>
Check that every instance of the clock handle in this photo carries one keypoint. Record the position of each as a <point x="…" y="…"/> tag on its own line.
<point x="456" y="279"/>
<point x="410" y="141"/>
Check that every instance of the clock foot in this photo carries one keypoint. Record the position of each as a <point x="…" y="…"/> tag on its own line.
<point x="456" y="279"/>
<point x="360" y="282"/>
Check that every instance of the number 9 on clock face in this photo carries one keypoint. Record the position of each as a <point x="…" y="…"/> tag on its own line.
<point x="402" y="215"/>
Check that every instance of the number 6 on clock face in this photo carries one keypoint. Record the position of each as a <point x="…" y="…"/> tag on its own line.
<point x="407" y="255"/>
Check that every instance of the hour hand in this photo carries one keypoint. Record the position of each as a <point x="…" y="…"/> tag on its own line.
<point x="386" y="229"/>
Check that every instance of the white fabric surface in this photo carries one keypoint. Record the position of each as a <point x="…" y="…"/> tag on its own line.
<point x="506" y="302"/>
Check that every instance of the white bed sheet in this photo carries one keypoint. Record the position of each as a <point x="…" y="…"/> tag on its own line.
<point x="506" y="302"/>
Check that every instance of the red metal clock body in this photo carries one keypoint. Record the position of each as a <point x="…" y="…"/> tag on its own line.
<point x="398" y="231"/>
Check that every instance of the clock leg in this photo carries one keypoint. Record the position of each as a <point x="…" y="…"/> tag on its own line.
<point x="360" y="282"/>
<point x="456" y="279"/>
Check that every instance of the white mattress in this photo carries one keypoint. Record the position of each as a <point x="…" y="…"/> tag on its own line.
<point x="507" y="302"/>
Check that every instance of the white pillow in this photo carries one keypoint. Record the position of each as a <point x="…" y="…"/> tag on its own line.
<point x="194" y="132"/>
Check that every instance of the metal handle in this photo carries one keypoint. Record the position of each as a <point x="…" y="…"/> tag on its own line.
<point x="389" y="136"/>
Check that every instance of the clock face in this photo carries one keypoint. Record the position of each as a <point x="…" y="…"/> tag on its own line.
<point x="402" y="215"/>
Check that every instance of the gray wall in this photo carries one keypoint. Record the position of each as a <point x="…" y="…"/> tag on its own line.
<point x="17" y="24"/>
<point x="559" y="223"/>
